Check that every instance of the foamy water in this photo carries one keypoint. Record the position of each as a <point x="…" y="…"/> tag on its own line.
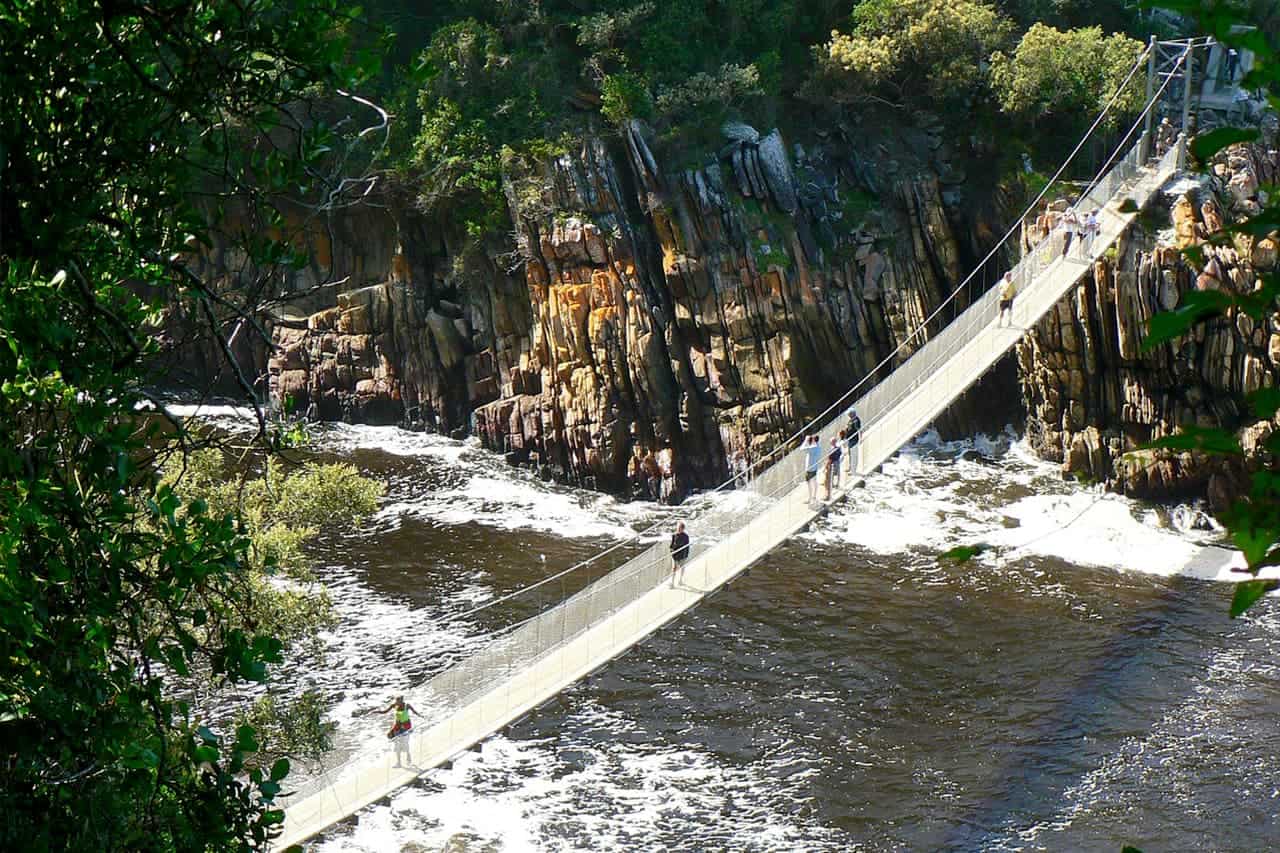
<point x="1021" y="506"/>
<point x="596" y="775"/>
<point x="601" y="792"/>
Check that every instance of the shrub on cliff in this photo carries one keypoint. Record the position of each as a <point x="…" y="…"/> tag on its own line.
<point x="912" y="51"/>
<point x="478" y="96"/>
<point x="1067" y="74"/>
<point x="625" y="96"/>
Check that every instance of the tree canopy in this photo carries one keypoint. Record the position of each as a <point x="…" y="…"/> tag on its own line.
<point x="915" y="50"/>
<point x="125" y="131"/>
<point x="1069" y="73"/>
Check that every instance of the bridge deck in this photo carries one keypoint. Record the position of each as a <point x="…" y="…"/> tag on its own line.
<point x="529" y="687"/>
<point x="941" y="382"/>
<point x="524" y="669"/>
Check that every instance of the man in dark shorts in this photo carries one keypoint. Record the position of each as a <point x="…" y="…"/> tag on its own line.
<point x="833" y="463"/>
<point x="1007" y="291"/>
<point x="679" y="550"/>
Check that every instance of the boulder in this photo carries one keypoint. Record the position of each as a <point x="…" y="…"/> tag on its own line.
<point x="776" y="167"/>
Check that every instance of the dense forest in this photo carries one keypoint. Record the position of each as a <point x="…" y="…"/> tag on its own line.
<point x="476" y="86"/>
<point x="147" y="561"/>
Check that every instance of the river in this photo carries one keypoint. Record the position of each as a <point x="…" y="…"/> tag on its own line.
<point x="1068" y="690"/>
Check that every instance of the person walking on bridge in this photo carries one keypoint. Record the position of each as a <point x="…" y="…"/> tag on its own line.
<point x="679" y="550"/>
<point x="833" y="463"/>
<point x="402" y="724"/>
<point x="812" y="461"/>
<point x="1070" y="225"/>
<point x="1092" y="228"/>
<point x="852" y="432"/>
<point x="1008" y="290"/>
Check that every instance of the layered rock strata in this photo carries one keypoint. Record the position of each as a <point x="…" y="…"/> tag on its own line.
<point x="647" y="319"/>
<point x="1094" y="395"/>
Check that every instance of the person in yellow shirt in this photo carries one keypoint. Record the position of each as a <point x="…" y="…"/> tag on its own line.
<point x="1008" y="290"/>
<point x="402" y="724"/>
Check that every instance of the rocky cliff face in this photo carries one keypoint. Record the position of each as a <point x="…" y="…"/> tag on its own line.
<point x="645" y="316"/>
<point x="1093" y="395"/>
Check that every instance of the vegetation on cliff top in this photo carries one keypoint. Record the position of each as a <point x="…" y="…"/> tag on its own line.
<point x="487" y="84"/>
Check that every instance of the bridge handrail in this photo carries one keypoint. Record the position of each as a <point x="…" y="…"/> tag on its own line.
<point x="451" y="689"/>
<point x="881" y="399"/>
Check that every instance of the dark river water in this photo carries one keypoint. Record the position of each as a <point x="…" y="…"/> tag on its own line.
<point x="1071" y="689"/>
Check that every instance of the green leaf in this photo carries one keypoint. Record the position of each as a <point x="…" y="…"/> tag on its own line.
<point x="1203" y="439"/>
<point x="1248" y="592"/>
<point x="1127" y="206"/>
<point x="1272" y="444"/>
<point x="246" y="739"/>
<point x="280" y="769"/>
<point x="140" y="758"/>
<point x="1195" y="306"/>
<point x="1265" y="402"/>
<point x="1253" y="541"/>
<point x="205" y="755"/>
<point x="965" y="553"/>
<point x="1205" y="145"/>
<point x="1167" y="326"/>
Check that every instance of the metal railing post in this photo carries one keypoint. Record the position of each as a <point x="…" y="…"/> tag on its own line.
<point x="1152" y="50"/>
<point x="1187" y="80"/>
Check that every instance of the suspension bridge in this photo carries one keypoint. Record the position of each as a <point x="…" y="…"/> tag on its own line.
<point x="526" y="667"/>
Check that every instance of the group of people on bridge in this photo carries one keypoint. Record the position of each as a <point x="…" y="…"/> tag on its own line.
<point x="817" y="462"/>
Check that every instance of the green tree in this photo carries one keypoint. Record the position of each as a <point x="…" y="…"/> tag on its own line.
<point x="125" y="131"/>
<point x="278" y="512"/>
<point x="912" y="51"/>
<point x="624" y="96"/>
<point x="1066" y="74"/>
<point x="1111" y="15"/>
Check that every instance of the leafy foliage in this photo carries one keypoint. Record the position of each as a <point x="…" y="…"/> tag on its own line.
<point x="726" y="86"/>
<point x="126" y="130"/>
<point x="278" y="512"/>
<point x="478" y="98"/>
<point x="1073" y="72"/>
<point x="287" y="729"/>
<point x="624" y="96"/>
<point x="913" y="50"/>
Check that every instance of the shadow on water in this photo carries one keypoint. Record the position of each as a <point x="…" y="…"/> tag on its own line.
<point x="1078" y="731"/>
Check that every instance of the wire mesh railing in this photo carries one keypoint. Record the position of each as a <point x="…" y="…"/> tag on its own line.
<point x="731" y="516"/>
<point x="1128" y="181"/>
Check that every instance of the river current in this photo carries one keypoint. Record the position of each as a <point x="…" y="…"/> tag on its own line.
<point x="1073" y="688"/>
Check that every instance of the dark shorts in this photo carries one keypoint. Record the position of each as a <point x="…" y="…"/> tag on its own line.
<point x="809" y="475"/>
<point x="1006" y="303"/>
